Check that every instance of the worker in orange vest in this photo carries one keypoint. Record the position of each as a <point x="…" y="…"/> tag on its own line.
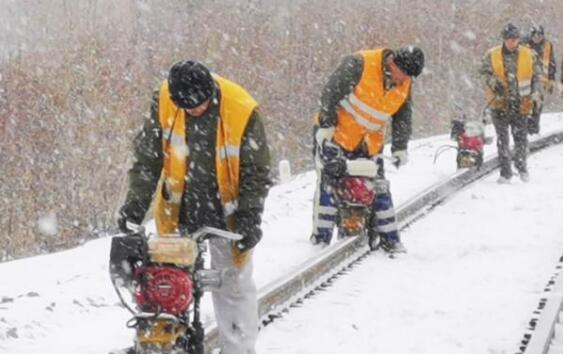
<point x="368" y="92"/>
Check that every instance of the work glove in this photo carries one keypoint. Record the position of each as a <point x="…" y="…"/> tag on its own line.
<point x="129" y="213"/>
<point x="537" y="102"/>
<point x="122" y="223"/>
<point x="329" y="151"/>
<point x="335" y="168"/>
<point x="248" y="225"/>
<point x="498" y="88"/>
<point x="400" y="158"/>
<point x="458" y="126"/>
<point x="323" y="142"/>
<point x="487" y="117"/>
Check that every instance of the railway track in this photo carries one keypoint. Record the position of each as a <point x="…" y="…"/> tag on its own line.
<point x="316" y="274"/>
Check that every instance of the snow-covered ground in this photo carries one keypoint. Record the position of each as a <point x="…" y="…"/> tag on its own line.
<point x="64" y="303"/>
<point x="475" y="271"/>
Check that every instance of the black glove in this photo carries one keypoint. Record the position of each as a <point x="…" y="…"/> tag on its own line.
<point x="122" y="223"/>
<point x="129" y="212"/>
<point x="329" y="151"/>
<point x="248" y="225"/>
<point x="498" y="88"/>
<point x="335" y="168"/>
<point x="458" y="127"/>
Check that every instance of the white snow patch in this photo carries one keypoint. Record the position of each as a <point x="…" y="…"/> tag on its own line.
<point x="470" y="35"/>
<point x="47" y="224"/>
<point x="456" y="47"/>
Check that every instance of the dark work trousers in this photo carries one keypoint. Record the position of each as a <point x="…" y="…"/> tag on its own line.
<point x="519" y="127"/>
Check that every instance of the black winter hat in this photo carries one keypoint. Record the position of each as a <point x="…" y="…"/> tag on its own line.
<point x="190" y="84"/>
<point x="410" y="60"/>
<point x="510" y="31"/>
<point x="537" y="29"/>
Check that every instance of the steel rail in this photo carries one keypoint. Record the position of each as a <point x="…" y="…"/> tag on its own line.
<point x="278" y="295"/>
<point x="545" y="330"/>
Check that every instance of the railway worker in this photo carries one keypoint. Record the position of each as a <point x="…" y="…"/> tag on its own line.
<point x="512" y="77"/>
<point x="369" y="91"/>
<point x="202" y="156"/>
<point x="544" y="51"/>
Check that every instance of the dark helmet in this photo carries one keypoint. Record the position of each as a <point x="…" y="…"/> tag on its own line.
<point x="410" y="60"/>
<point x="536" y="29"/>
<point x="510" y="31"/>
<point x="190" y="84"/>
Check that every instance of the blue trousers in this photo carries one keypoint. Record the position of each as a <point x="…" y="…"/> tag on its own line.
<point x="382" y="221"/>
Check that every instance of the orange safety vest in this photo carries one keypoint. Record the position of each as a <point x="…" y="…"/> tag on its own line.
<point x="364" y="114"/>
<point x="236" y="107"/>
<point x="524" y="76"/>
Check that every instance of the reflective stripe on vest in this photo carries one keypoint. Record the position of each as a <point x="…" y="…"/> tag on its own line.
<point x="230" y="207"/>
<point x="525" y="87"/>
<point x="358" y="117"/>
<point x="367" y="109"/>
<point x="352" y="104"/>
<point x="229" y="151"/>
<point x="177" y="141"/>
<point x="364" y="113"/>
<point x="235" y="109"/>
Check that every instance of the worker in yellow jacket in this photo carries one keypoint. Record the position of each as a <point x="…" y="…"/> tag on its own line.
<point x="511" y="74"/>
<point x="203" y="160"/>
<point x="545" y="53"/>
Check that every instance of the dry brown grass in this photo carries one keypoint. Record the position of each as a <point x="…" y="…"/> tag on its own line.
<point x="77" y="75"/>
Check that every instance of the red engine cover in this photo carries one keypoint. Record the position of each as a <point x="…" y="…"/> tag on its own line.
<point x="164" y="289"/>
<point x="474" y="143"/>
<point x="356" y="190"/>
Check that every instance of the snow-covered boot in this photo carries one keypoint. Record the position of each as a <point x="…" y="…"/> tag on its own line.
<point x="392" y="246"/>
<point x="322" y="239"/>
<point x="386" y="224"/>
<point x="503" y="180"/>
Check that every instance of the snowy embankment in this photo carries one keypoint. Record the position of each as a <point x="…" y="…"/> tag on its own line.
<point x="67" y="297"/>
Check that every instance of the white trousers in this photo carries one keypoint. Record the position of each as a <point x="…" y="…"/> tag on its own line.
<point x="235" y="302"/>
